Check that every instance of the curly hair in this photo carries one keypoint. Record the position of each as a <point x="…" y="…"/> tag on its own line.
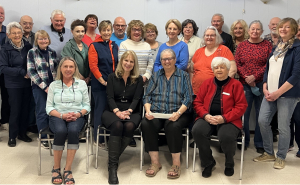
<point x="136" y="23"/>
<point x="244" y="25"/>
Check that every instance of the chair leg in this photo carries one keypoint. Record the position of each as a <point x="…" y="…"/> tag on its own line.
<point x="87" y="151"/>
<point x="105" y="140"/>
<point x="141" y="153"/>
<point x="91" y="140"/>
<point x="97" y="148"/>
<point x="194" y="156"/>
<point x="49" y="143"/>
<point x="40" y="156"/>
<point x="242" y="157"/>
<point x="187" y="148"/>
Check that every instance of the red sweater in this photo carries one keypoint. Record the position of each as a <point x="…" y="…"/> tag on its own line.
<point x="233" y="100"/>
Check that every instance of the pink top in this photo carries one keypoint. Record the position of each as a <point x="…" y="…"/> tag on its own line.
<point x="87" y="40"/>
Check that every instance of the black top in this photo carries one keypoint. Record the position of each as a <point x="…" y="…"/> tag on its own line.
<point x="215" y="108"/>
<point x="227" y="41"/>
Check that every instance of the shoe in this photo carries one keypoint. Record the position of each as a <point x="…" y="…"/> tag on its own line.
<point x="11" y="142"/>
<point x="240" y="147"/>
<point x="114" y="147"/>
<point x="175" y="169"/>
<point x="291" y="148"/>
<point x="132" y="143"/>
<point x="260" y="150"/>
<point x="59" y="177"/>
<point x="264" y="158"/>
<point x="275" y="139"/>
<point x="298" y="154"/>
<point x="155" y="168"/>
<point x="45" y="145"/>
<point x="229" y="171"/>
<point x="24" y="138"/>
<point x="192" y="144"/>
<point x="279" y="163"/>
<point x="67" y="179"/>
<point x="207" y="170"/>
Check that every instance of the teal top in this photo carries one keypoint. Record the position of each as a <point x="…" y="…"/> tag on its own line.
<point x="66" y="99"/>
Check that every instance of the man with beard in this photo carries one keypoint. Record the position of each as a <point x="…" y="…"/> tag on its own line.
<point x="273" y="36"/>
<point x="119" y="31"/>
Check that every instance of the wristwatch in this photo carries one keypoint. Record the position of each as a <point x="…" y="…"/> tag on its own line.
<point x="80" y="114"/>
<point x="179" y="113"/>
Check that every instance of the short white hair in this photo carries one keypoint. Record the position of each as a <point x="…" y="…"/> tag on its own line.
<point x="2" y="7"/>
<point x="219" y="61"/>
<point x="218" y="14"/>
<point x="257" y="22"/>
<point x="13" y="25"/>
<point x="57" y="12"/>
<point x="219" y="39"/>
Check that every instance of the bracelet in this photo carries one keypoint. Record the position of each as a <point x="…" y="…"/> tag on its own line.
<point x="80" y="114"/>
<point x="116" y="111"/>
<point x="61" y="116"/>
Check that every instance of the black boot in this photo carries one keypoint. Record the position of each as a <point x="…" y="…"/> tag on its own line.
<point x="114" y="145"/>
<point x="125" y="142"/>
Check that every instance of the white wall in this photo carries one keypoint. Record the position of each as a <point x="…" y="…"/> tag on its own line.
<point x="154" y="11"/>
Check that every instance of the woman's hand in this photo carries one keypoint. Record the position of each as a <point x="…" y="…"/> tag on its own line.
<point x="26" y="76"/>
<point x="174" y="116"/>
<point x="87" y="80"/>
<point x="102" y="81"/>
<point x="122" y="115"/>
<point x="148" y="116"/>
<point x="219" y="119"/>
<point x="46" y="90"/>
<point x="250" y="79"/>
<point x="211" y="119"/>
<point x="273" y="96"/>
<point x="144" y="79"/>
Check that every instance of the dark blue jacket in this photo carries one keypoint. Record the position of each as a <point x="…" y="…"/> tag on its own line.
<point x="105" y="63"/>
<point x="13" y="64"/>
<point x="290" y="70"/>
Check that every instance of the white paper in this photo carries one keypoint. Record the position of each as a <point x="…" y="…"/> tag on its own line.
<point x="160" y="115"/>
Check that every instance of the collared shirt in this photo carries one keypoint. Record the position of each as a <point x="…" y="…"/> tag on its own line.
<point x="193" y="44"/>
<point x="117" y="40"/>
<point x="66" y="99"/>
<point x="30" y="38"/>
<point x="167" y="96"/>
<point x="269" y="38"/>
<point x="2" y="34"/>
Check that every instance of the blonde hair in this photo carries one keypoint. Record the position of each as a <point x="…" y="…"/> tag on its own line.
<point x="137" y="23"/>
<point x="293" y="25"/>
<point x="245" y="28"/>
<point x="60" y="75"/>
<point x="176" y="22"/>
<point x="135" y="72"/>
<point x="104" y="24"/>
<point x="41" y="33"/>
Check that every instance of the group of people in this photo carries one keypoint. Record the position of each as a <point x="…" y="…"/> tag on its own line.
<point x="127" y="69"/>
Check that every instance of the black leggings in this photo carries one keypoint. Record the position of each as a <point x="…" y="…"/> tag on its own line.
<point x="119" y="128"/>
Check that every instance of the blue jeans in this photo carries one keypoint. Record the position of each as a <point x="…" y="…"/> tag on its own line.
<point x="285" y="108"/>
<point x="42" y="119"/>
<point x="63" y="130"/>
<point x="258" y="141"/>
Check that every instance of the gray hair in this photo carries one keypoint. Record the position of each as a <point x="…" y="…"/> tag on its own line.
<point x="168" y="51"/>
<point x="298" y="21"/>
<point x="13" y="25"/>
<point x="57" y="12"/>
<point x="257" y="22"/>
<point x="219" y="39"/>
<point x="219" y="61"/>
<point x="2" y="7"/>
<point x="220" y="15"/>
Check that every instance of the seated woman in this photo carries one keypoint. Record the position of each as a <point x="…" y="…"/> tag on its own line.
<point x="212" y="116"/>
<point x="170" y="81"/>
<point x="67" y="102"/>
<point x="124" y="92"/>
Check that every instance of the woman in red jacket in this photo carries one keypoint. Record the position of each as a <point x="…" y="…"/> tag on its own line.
<point x="220" y="104"/>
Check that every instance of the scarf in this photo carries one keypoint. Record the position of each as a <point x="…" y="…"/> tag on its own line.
<point x="282" y="48"/>
<point x="16" y="47"/>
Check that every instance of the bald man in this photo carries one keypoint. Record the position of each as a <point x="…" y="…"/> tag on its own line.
<point x="27" y="23"/>
<point x="119" y="31"/>
<point x="273" y="36"/>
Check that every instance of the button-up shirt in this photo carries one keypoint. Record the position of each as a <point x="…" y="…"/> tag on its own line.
<point x="66" y="99"/>
<point x="167" y="96"/>
<point x="30" y="38"/>
<point x="268" y="37"/>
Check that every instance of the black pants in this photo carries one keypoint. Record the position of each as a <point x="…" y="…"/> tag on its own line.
<point x="19" y="100"/>
<point x="5" y="108"/>
<point x="227" y="135"/>
<point x="173" y="130"/>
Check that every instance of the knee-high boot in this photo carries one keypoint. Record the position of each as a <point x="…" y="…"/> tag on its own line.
<point x="114" y="145"/>
<point x="125" y="142"/>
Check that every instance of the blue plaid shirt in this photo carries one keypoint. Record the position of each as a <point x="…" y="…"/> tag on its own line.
<point x="167" y="96"/>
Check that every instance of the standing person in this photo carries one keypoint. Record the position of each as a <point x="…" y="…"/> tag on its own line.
<point x="124" y="93"/>
<point x="78" y="50"/>
<point x="173" y="28"/>
<point x="41" y="68"/>
<point x="119" y="31"/>
<point x="150" y="38"/>
<point x="13" y="65"/>
<point x="217" y="21"/>
<point x="5" y="108"/>
<point x="90" y="36"/>
<point x="103" y="60"/>
<point x="27" y="23"/>
<point x="251" y="57"/>
<point x="58" y="33"/>
<point x="67" y="103"/>
<point x="239" y="32"/>
<point x="281" y="92"/>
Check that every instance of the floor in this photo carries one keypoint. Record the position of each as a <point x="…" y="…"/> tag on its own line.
<point x="18" y="165"/>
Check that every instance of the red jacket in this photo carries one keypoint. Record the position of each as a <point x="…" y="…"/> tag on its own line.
<point x="233" y="100"/>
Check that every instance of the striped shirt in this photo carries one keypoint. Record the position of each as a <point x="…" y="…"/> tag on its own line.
<point x="143" y="52"/>
<point x="167" y="96"/>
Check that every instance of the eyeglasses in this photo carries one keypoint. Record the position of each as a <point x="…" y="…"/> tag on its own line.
<point x="42" y="39"/>
<point x="216" y="21"/>
<point x="16" y="33"/>
<point x="61" y="37"/>
<point x="136" y="30"/>
<point x="211" y="36"/>
<point x="27" y="23"/>
<point x="118" y="25"/>
<point x="62" y="86"/>
<point x="150" y="32"/>
<point x="167" y="59"/>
